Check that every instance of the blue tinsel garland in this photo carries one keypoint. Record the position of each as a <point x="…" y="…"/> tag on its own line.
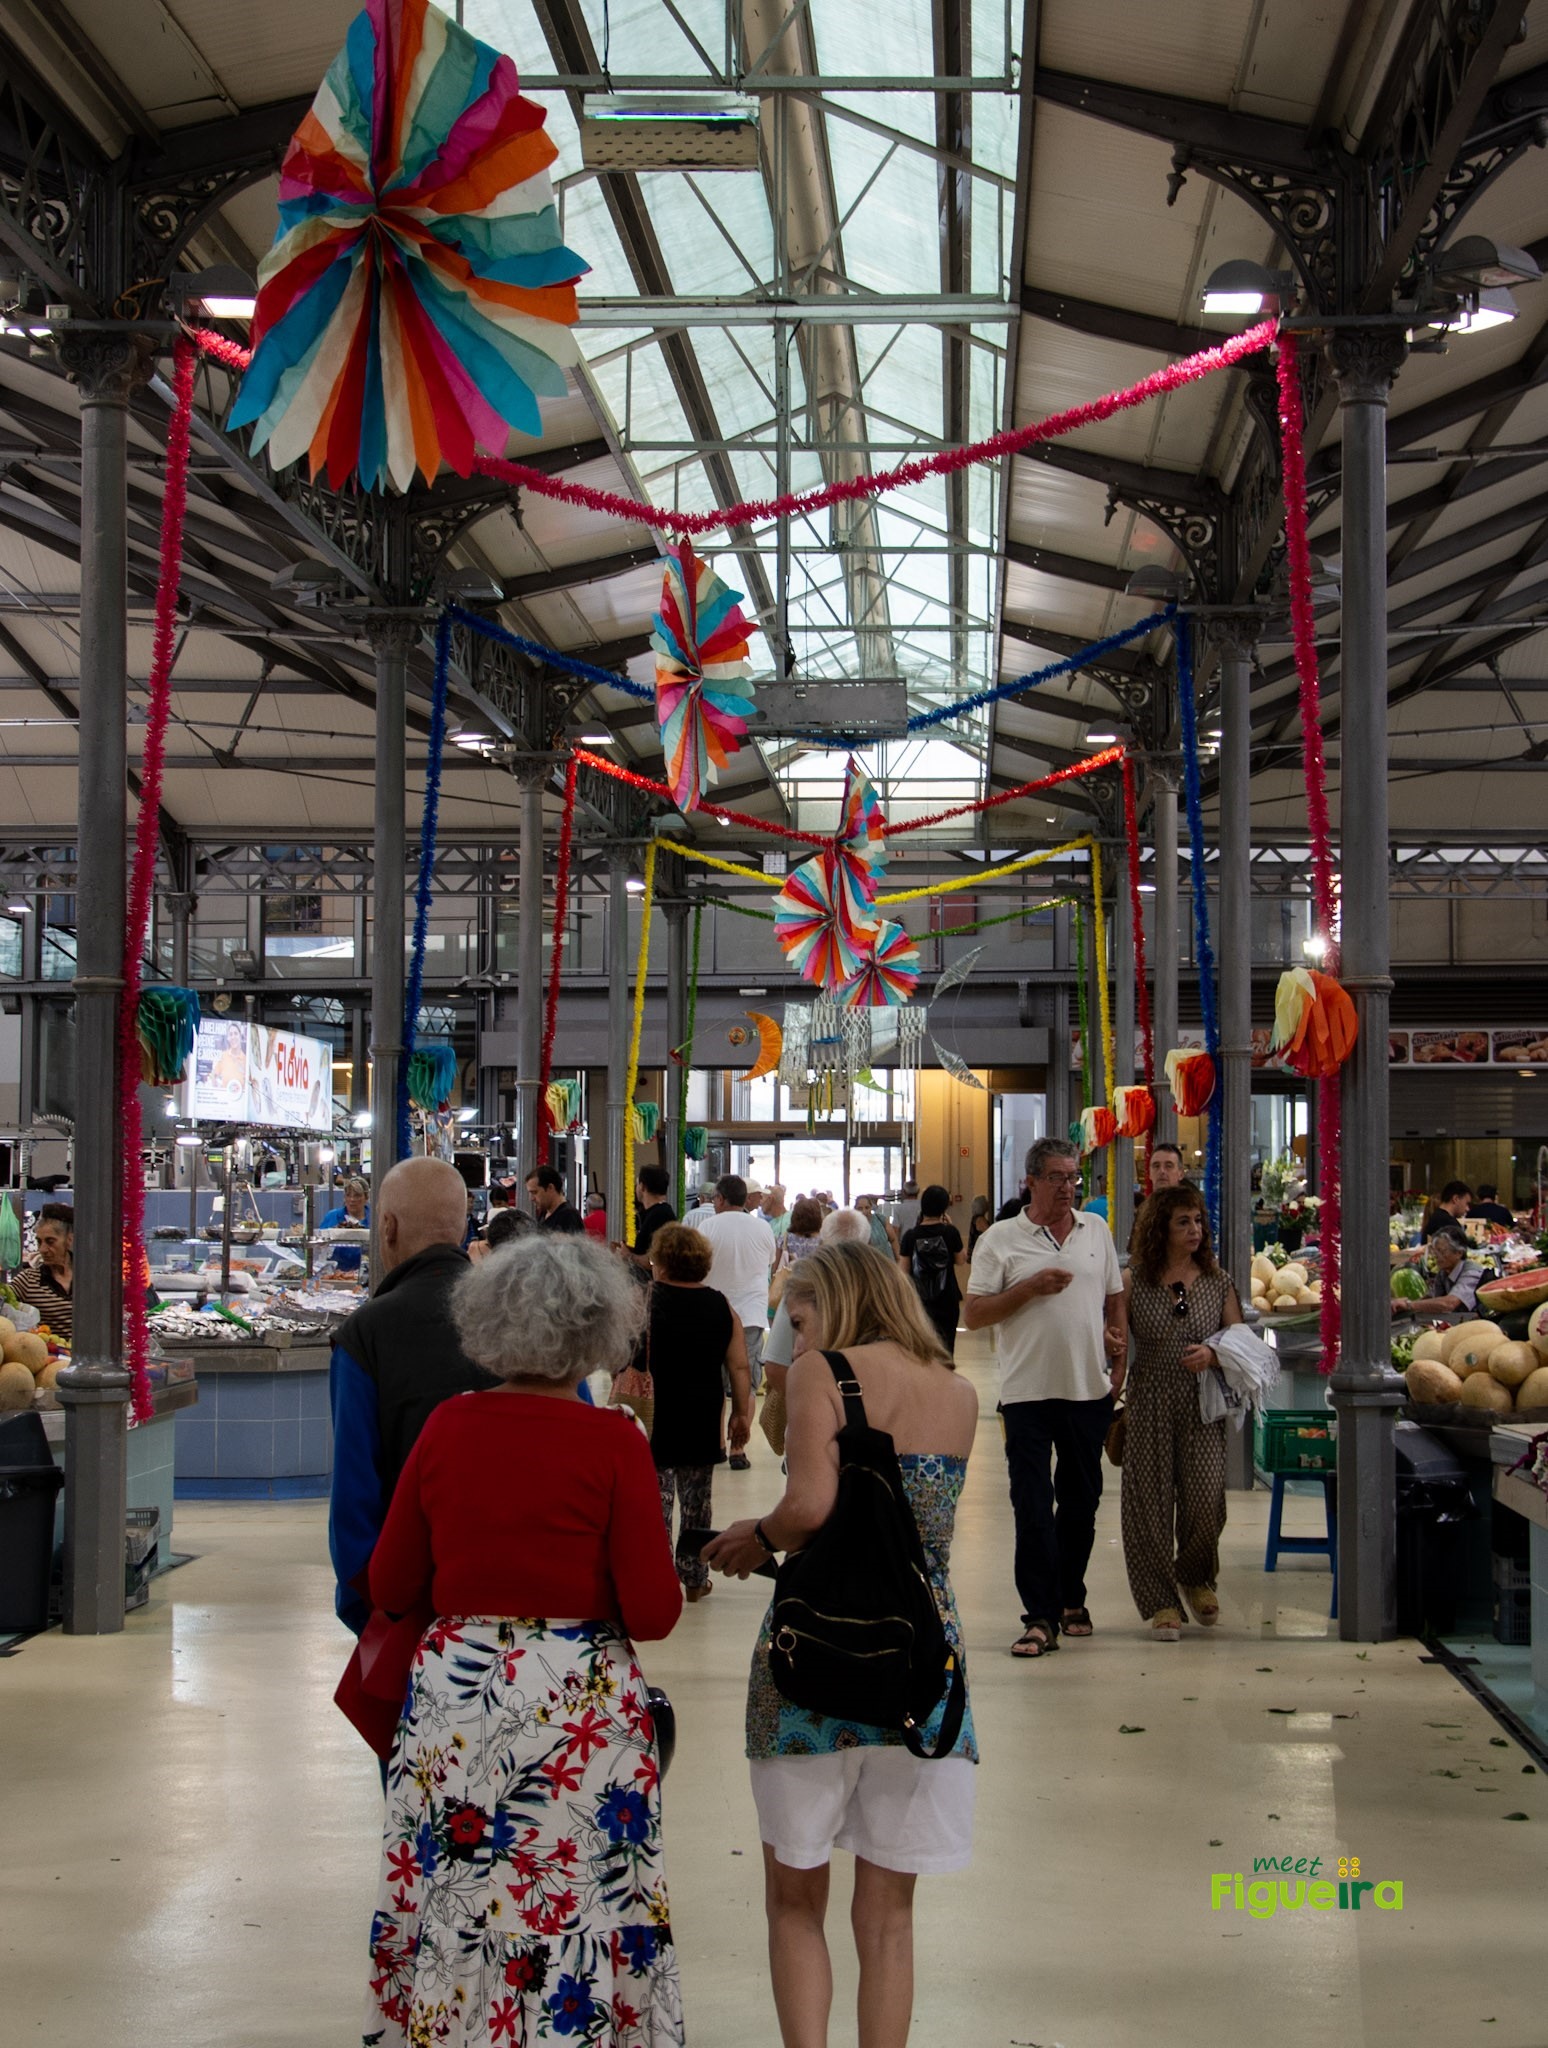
<point x="429" y="824"/>
<point x="1204" y="952"/>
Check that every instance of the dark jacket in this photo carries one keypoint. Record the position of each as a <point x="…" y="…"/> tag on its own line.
<point x="394" y="1361"/>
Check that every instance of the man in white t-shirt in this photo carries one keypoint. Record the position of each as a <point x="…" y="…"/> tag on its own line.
<point x="1047" y="1283"/>
<point x="742" y="1253"/>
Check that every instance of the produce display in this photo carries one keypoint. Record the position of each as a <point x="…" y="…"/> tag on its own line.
<point x="1477" y="1366"/>
<point x="1515" y="1290"/>
<point x="29" y="1361"/>
<point x="1282" y="1286"/>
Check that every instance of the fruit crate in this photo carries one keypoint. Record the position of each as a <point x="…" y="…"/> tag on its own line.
<point x="1294" y="1440"/>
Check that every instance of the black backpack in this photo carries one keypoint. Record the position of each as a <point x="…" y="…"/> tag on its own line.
<point x="931" y="1267"/>
<point x="854" y="1630"/>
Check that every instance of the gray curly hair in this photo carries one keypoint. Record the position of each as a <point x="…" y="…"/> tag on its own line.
<point x="548" y="1308"/>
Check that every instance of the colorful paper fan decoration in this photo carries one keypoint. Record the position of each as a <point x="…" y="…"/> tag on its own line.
<point x="822" y="922"/>
<point x="166" y="1022"/>
<point x="695" y="1140"/>
<point x="432" y="1075"/>
<point x="703" y="697"/>
<point x="1190" y="1074"/>
<point x="418" y="300"/>
<point x="861" y="823"/>
<point x="1098" y="1127"/>
<point x="1135" y="1109"/>
<point x="647" y="1120"/>
<point x="561" y="1099"/>
<point x="1314" y="1023"/>
<point x="888" y="973"/>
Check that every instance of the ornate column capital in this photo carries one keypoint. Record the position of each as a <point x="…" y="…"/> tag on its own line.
<point x="108" y="364"/>
<point x="1236" y="632"/>
<point x="1365" y="360"/>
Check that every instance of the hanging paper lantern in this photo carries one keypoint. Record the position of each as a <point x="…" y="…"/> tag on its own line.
<point x="432" y="1075"/>
<point x="418" y="300"/>
<point x="1135" y="1109"/>
<point x="703" y="697"/>
<point x="696" y="1141"/>
<point x="1314" y="1023"/>
<point x="822" y="922"/>
<point x="166" y="1022"/>
<point x="646" y="1117"/>
<point x="1098" y="1127"/>
<point x="1190" y="1074"/>
<point x="888" y="973"/>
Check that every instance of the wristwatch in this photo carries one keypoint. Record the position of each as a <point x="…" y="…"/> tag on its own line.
<point x="762" y="1539"/>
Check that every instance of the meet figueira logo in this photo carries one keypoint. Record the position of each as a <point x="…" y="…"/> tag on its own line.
<point x="1297" y="1885"/>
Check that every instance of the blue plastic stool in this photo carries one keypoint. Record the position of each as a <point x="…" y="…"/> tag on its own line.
<point x="1294" y="1546"/>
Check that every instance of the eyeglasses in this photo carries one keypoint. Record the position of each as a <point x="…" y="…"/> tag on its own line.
<point x="1179" y="1297"/>
<point x="1072" y="1179"/>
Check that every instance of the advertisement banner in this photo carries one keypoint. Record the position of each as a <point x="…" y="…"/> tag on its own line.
<point x="290" y="1080"/>
<point x="217" y="1073"/>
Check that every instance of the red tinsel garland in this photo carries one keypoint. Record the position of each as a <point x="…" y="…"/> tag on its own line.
<point x="142" y="880"/>
<point x="561" y="906"/>
<point x="230" y="353"/>
<point x="752" y="511"/>
<point x="1105" y="759"/>
<point x="1314" y="771"/>
<point x="1141" y="972"/>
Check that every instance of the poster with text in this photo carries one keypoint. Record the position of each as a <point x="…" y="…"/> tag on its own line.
<point x="217" y="1073"/>
<point x="290" y="1080"/>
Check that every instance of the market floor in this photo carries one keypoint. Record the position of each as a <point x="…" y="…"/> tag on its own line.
<point x="188" y="1852"/>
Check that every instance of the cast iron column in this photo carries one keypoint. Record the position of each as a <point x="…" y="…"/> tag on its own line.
<point x="529" y="970"/>
<point x="1366" y="1391"/>
<point x="678" y="910"/>
<point x="1164" y="939"/>
<point x="94" y="1390"/>
<point x="1120" y="1197"/>
<point x="1057" y="1081"/>
<point x="1235" y="634"/>
<point x="617" y="1033"/>
<point x="392" y="639"/>
<point x="180" y="908"/>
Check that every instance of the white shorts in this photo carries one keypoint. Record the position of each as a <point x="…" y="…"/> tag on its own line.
<point x="890" y="1807"/>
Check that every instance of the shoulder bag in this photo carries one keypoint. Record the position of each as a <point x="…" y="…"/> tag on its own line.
<point x="854" y="1631"/>
<point x="635" y="1386"/>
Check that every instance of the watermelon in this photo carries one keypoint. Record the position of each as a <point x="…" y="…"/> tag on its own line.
<point x="1515" y="1290"/>
<point x="1407" y="1285"/>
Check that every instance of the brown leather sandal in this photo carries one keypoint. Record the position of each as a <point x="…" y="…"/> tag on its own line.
<point x="1037" y="1639"/>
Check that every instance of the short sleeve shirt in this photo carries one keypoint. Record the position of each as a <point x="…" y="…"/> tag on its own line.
<point x="1051" y="1348"/>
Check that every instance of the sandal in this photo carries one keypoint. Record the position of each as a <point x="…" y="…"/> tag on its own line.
<point x="1037" y="1639"/>
<point x="1202" y="1605"/>
<point x="1076" y="1622"/>
<point x="1166" y="1626"/>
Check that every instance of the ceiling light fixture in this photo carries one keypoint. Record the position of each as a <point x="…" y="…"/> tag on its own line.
<point x="223" y="292"/>
<point x="1101" y="739"/>
<point x="1494" y="307"/>
<point x="1243" y="287"/>
<point x="1476" y="260"/>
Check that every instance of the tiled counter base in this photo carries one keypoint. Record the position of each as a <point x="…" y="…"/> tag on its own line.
<point x="262" y="1430"/>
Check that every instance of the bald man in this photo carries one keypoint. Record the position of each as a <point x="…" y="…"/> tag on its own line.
<point x="395" y="1360"/>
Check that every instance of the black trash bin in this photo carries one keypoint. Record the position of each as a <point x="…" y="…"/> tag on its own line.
<point x="29" y="1486"/>
<point x="1434" y="1505"/>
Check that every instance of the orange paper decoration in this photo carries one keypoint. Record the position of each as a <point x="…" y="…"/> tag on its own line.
<point x="1190" y="1075"/>
<point x="1135" y="1109"/>
<point x="1315" y="1026"/>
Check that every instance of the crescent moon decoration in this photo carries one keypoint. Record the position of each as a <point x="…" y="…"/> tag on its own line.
<point x="954" y="1064"/>
<point x="418" y="301"/>
<point x="771" y="1045"/>
<point x="703" y="697"/>
<point x="957" y="972"/>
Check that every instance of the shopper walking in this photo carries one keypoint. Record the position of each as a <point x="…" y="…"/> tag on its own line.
<point x="692" y="1338"/>
<point x="978" y="1223"/>
<point x="393" y="1362"/>
<point x="522" y="1896"/>
<point x="652" y="1210"/>
<point x="931" y="1254"/>
<point x="1047" y="1282"/>
<point x="819" y="1783"/>
<point x="545" y="1191"/>
<point x="742" y="1260"/>
<point x="1173" y="1500"/>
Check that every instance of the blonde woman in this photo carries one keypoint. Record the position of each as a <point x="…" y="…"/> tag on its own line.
<point x="820" y="1783"/>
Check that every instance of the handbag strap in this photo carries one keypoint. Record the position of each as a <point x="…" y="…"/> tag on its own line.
<point x="951" y="1719"/>
<point x="849" y="1390"/>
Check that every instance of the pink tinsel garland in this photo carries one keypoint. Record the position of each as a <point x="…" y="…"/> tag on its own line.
<point x="1314" y="769"/>
<point x="561" y="906"/>
<point x="142" y="880"/>
<point x="947" y="462"/>
<point x="1137" y="912"/>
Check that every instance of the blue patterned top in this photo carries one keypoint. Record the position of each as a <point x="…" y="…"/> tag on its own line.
<point x="777" y="1728"/>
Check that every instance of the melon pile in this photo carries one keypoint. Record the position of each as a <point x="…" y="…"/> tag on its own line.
<point x="1478" y="1366"/>
<point x="29" y="1359"/>
<point x="1278" y="1290"/>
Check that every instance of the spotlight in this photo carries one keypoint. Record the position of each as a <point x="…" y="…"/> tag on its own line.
<point x="1241" y="286"/>
<point x="223" y="292"/>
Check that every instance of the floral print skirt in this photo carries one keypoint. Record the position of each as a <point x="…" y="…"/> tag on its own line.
<point x="522" y="1898"/>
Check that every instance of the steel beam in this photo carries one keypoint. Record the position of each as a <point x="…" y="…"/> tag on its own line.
<point x="1112" y="323"/>
<point x="1068" y="568"/>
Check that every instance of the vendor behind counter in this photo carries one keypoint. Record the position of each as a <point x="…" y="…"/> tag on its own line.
<point x="47" y="1283"/>
<point x="353" y="1213"/>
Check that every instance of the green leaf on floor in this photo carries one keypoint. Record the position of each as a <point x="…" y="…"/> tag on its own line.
<point x="1215" y="1842"/>
<point x="1125" y="1729"/>
<point x="1363" y="1655"/>
<point x="1279" y="1710"/>
<point x="1515" y="1816"/>
<point x="1498" y="1742"/>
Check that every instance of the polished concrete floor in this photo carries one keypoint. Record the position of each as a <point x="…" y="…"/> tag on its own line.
<point x="187" y="1848"/>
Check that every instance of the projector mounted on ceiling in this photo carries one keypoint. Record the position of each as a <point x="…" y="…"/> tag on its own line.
<point x="669" y="131"/>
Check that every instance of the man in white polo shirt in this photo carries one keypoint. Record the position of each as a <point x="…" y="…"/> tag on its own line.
<point x="1047" y="1283"/>
<point x="742" y="1251"/>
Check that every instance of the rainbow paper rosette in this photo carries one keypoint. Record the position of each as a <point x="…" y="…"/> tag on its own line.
<point x="418" y="300"/>
<point x="888" y="974"/>
<point x="822" y="922"/>
<point x="703" y="697"/>
<point x="1315" y="1026"/>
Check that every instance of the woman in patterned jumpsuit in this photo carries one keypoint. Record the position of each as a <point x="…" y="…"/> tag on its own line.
<point x="1174" y="1505"/>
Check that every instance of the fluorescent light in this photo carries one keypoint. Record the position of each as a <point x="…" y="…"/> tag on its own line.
<point x="230" y="309"/>
<point x="466" y="1116"/>
<point x="1147" y="888"/>
<point x="596" y="739"/>
<point x="19" y="909"/>
<point x="1233" y="302"/>
<point x="471" y="740"/>
<point x="1495" y="308"/>
<point x="752" y="991"/>
<point x="189" y="1140"/>
<point x="1100" y="739"/>
<point x="1316" y="947"/>
<point x="363" y="1120"/>
<point x="635" y="886"/>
